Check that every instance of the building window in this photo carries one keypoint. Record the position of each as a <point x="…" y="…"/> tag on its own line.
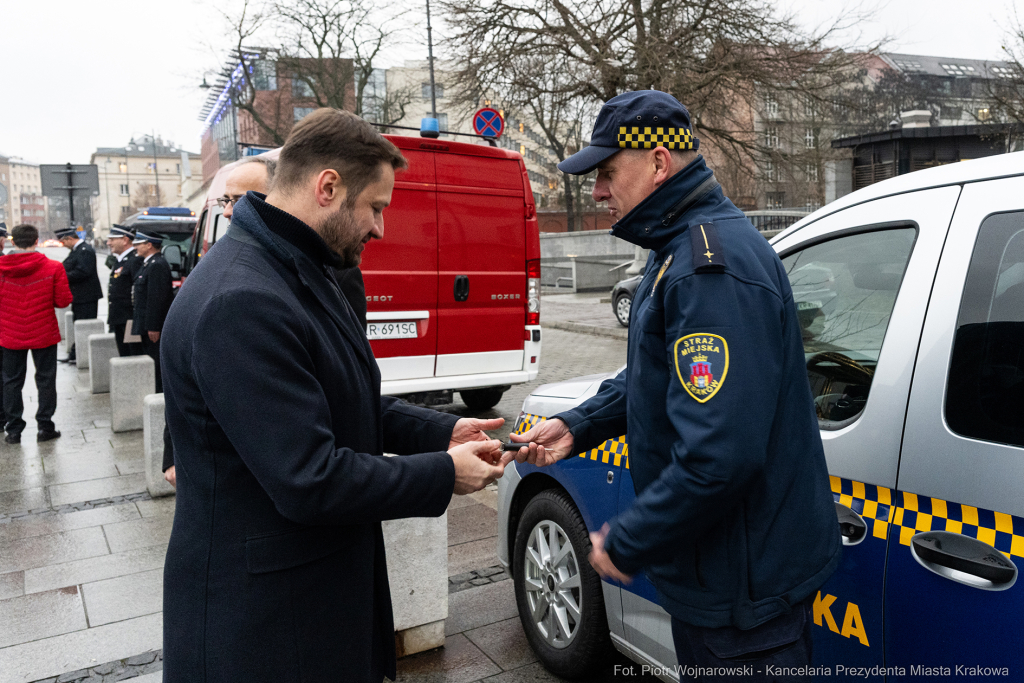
<point x="264" y="76"/>
<point x="177" y="168"/>
<point x="812" y="173"/>
<point x="122" y="167"/>
<point x="124" y="189"/>
<point x="771" y="106"/>
<point x="442" y="121"/>
<point x="301" y="89"/>
<point x="425" y="90"/>
<point x="984" y="114"/>
<point x="771" y="137"/>
<point x="775" y="200"/>
<point x="951" y="113"/>
<point x="302" y="112"/>
<point x="151" y="167"/>
<point x="810" y="138"/>
<point x="769" y="171"/>
<point x="810" y="110"/>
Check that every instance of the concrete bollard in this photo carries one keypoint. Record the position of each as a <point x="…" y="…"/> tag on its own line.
<point x="69" y="331"/>
<point x="131" y="380"/>
<point x="153" y="430"/>
<point x="102" y="348"/>
<point x="83" y="330"/>
<point x="417" y="550"/>
<point x="62" y="320"/>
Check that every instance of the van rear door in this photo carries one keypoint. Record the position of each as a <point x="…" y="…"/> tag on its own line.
<point x="400" y="273"/>
<point x="481" y="286"/>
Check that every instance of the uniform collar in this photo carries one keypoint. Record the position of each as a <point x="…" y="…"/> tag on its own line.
<point x="146" y="260"/>
<point x="80" y="241"/>
<point x="125" y="254"/>
<point x="654" y="222"/>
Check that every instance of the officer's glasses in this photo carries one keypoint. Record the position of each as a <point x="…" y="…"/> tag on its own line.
<point x="222" y="202"/>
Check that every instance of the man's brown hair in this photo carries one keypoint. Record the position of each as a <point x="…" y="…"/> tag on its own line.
<point x="339" y="140"/>
<point x="24" y="235"/>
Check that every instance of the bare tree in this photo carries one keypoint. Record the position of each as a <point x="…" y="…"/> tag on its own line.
<point x="713" y="55"/>
<point x="147" y="195"/>
<point x="1006" y="90"/>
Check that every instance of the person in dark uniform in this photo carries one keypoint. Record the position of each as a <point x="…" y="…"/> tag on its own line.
<point x="733" y="520"/>
<point x="151" y="297"/>
<point x="125" y="266"/>
<point x="80" y="266"/>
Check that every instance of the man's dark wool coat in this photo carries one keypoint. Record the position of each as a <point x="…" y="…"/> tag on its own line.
<point x="80" y="265"/>
<point x="276" y="569"/>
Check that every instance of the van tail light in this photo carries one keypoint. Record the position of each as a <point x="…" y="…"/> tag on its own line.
<point x="533" y="292"/>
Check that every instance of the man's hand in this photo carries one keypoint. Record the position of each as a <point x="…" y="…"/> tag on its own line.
<point x="545" y="444"/>
<point x="601" y="561"/>
<point x="154" y="336"/>
<point x="477" y="464"/>
<point x="169" y="476"/>
<point x="471" y="429"/>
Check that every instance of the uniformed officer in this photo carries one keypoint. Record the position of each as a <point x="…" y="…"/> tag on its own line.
<point x="125" y="266"/>
<point x="733" y="521"/>
<point x="151" y="297"/>
<point x="80" y="266"/>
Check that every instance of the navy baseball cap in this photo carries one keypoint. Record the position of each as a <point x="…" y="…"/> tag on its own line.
<point x="644" y="119"/>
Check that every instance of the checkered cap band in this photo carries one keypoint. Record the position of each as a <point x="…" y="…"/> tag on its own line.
<point x="637" y="137"/>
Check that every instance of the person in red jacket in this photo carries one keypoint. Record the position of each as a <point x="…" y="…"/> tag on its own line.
<point x="31" y="286"/>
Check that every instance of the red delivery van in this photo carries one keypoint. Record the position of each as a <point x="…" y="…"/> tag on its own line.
<point x="453" y="289"/>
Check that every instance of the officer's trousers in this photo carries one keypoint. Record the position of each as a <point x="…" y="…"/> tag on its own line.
<point x="124" y="349"/>
<point x="727" y="654"/>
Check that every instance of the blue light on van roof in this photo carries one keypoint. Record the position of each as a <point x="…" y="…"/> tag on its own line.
<point x="429" y="128"/>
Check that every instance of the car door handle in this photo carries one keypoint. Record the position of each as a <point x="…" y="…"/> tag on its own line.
<point x="461" y="287"/>
<point x="851" y="525"/>
<point x="944" y="550"/>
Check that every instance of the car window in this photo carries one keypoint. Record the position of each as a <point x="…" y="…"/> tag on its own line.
<point x="845" y="290"/>
<point x="985" y="391"/>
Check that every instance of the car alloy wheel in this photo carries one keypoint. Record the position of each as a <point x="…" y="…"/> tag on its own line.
<point x="553" y="584"/>
<point x="623" y="305"/>
<point x="559" y="595"/>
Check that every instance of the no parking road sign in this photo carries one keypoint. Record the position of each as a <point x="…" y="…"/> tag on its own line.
<point x="488" y="122"/>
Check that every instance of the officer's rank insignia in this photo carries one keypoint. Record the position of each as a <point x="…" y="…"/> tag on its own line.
<point x="702" y="362"/>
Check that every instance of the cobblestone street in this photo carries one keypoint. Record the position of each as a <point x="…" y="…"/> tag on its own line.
<point x="82" y="546"/>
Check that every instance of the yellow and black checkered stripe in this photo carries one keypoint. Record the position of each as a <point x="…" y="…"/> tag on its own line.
<point x="912" y="514"/>
<point x="613" y="452"/>
<point x="638" y="137"/>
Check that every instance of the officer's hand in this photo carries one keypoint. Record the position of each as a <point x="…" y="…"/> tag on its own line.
<point x="170" y="477"/>
<point x="545" y="444"/>
<point x="477" y="464"/>
<point x="471" y="429"/>
<point x="154" y="336"/>
<point x="601" y="561"/>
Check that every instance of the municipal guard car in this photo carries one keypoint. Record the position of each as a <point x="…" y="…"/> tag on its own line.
<point x="910" y="294"/>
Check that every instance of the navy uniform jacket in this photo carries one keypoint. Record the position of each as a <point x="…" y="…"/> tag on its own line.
<point x="276" y="567"/>
<point x="734" y="520"/>
<point x="119" y="289"/>
<point x="80" y="265"/>
<point x="151" y="295"/>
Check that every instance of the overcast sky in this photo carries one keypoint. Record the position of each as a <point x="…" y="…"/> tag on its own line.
<point x="81" y="75"/>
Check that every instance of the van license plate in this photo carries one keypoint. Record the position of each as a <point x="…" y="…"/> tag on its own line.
<point x="391" y="330"/>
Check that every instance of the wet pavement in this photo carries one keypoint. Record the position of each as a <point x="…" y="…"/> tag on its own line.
<point x="82" y="546"/>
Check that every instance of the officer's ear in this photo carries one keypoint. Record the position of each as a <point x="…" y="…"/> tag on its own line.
<point x="663" y="165"/>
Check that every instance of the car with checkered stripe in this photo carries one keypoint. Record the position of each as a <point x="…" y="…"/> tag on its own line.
<point x="910" y="294"/>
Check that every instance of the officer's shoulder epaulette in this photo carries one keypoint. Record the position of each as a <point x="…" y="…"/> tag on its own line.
<point x="708" y="256"/>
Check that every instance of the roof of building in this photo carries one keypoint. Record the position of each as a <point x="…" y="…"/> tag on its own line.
<point x="144" y="148"/>
<point x="948" y="66"/>
<point x="980" y="130"/>
<point x="975" y="170"/>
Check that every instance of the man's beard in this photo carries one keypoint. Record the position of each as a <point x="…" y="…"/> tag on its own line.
<point x="341" y="234"/>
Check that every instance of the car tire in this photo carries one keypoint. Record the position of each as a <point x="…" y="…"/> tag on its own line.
<point x="549" y="597"/>
<point x="482" y="399"/>
<point x="623" y="306"/>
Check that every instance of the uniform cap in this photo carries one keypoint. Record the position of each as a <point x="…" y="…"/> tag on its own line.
<point x="154" y="239"/>
<point x="643" y="119"/>
<point x="65" y="232"/>
<point x="3" y="229"/>
<point x="121" y="231"/>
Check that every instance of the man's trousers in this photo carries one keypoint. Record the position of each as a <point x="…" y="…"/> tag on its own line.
<point x="15" y="367"/>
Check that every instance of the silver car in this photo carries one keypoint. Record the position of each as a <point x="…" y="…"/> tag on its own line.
<point x="910" y="294"/>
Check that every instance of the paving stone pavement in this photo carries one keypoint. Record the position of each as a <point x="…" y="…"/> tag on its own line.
<point x="82" y="548"/>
